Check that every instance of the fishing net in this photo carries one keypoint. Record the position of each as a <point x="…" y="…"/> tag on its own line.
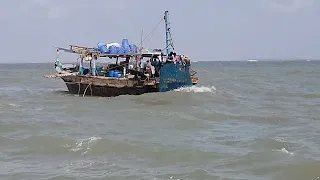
<point x="174" y="76"/>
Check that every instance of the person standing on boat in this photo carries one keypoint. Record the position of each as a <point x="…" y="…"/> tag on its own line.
<point x="156" y="63"/>
<point x="187" y="60"/>
<point x="58" y="67"/>
<point x="170" y="58"/>
<point x="150" y="68"/>
<point x="175" y="58"/>
<point x="138" y="62"/>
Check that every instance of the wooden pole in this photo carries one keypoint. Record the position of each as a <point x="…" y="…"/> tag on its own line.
<point x="94" y="65"/>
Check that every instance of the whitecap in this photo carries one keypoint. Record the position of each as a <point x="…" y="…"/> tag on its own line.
<point x="85" y="144"/>
<point x="284" y="150"/>
<point x="197" y="89"/>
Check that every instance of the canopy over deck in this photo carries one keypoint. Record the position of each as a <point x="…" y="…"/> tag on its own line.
<point x="88" y="51"/>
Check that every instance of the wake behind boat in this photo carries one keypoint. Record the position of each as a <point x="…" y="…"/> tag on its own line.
<point x="141" y="71"/>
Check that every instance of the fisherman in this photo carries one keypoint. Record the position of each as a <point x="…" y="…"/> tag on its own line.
<point x="58" y="67"/>
<point x="177" y="59"/>
<point x="156" y="63"/>
<point x="125" y="63"/>
<point x="187" y="60"/>
<point x="127" y="59"/>
<point x="138" y="62"/>
<point x="170" y="57"/>
<point x="161" y="57"/>
<point x="149" y="68"/>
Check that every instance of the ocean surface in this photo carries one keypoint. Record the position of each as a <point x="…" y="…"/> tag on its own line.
<point x="244" y="120"/>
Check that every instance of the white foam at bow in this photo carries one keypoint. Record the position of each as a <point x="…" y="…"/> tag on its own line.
<point x="196" y="89"/>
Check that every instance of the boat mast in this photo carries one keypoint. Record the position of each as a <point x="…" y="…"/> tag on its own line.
<point x="169" y="45"/>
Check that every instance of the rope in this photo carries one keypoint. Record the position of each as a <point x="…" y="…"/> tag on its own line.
<point x="86" y="90"/>
<point x="151" y="35"/>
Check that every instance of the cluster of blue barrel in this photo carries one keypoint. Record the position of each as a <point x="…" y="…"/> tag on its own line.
<point x="126" y="48"/>
<point x="115" y="74"/>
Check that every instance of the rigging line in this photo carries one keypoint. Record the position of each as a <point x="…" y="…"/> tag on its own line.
<point x="151" y="31"/>
<point x="171" y="44"/>
<point x="141" y="39"/>
<point x="151" y="35"/>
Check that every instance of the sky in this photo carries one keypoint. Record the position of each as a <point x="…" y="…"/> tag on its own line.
<point x="216" y="30"/>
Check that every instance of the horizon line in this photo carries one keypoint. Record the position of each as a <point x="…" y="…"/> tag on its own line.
<point x="191" y="61"/>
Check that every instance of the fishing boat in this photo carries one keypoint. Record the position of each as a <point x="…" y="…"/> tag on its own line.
<point x="141" y="71"/>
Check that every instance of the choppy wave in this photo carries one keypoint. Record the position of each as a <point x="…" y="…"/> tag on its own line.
<point x="9" y="105"/>
<point x="259" y="123"/>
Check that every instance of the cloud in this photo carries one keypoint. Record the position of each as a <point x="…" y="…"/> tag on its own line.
<point x="291" y="6"/>
<point x="51" y="9"/>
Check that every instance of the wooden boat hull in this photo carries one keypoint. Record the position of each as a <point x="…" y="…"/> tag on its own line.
<point x="109" y="87"/>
